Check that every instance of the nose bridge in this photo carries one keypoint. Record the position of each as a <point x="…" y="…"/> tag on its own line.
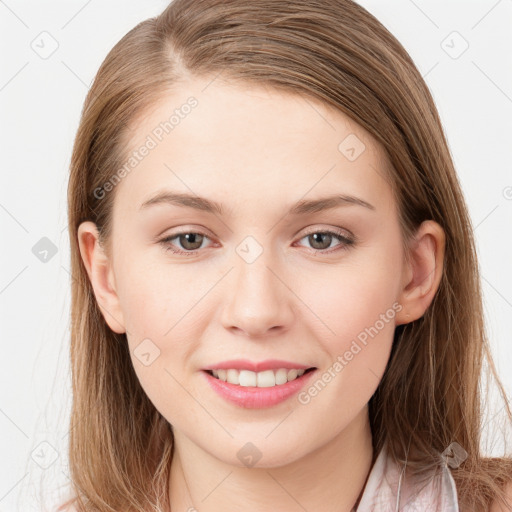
<point x="257" y="299"/>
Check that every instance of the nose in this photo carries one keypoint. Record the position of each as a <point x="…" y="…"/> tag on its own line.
<point x="260" y="302"/>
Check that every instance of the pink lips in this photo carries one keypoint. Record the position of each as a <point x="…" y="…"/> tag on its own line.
<point x="244" y="364"/>
<point x="253" y="397"/>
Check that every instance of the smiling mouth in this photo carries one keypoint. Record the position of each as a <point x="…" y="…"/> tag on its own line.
<point x="264" y="379"/>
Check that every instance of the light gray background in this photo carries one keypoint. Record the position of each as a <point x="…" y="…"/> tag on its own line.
<point x="40" y="103"/>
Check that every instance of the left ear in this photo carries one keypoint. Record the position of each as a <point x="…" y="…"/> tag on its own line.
<point x="422" y="273"/>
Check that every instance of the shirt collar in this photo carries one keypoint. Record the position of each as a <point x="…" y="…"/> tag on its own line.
<point x="388" y="490"/>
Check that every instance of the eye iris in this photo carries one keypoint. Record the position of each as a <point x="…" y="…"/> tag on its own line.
<point x="322" y="237"/>
<point x="191" y="238"/>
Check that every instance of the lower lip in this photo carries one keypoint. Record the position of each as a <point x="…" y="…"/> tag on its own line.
<point x="252" y="397"/>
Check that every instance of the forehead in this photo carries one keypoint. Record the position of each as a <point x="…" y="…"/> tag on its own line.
<point x="236" y="142"/>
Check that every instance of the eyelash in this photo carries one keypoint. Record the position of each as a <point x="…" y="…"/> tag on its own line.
<point x="345" y="245"/>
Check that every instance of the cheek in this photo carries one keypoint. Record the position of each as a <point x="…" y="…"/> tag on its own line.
<point x="157" y="302"/>
<point x="356" y="305"/>
<point x="154" y="296"/>
<point x="162" y="307"/>
<point x="351" y="295"/>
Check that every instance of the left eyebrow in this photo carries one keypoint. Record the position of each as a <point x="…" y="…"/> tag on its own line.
<point x="327" y="203"/>
<point x="300" y="208"/>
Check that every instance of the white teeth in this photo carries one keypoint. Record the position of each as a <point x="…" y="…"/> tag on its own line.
<point x="247" y="378"/>
<point x="233" y="376"/>
<point x="265" y="379"/>
<point x="282" y="376"/>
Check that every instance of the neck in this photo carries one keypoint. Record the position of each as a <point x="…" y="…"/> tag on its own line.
<point x="330" y="478"/>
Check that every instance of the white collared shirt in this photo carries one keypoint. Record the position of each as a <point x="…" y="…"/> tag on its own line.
<point x="384" y="492"/>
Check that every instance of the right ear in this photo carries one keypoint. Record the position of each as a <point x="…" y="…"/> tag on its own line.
<point x="101" y="276"/>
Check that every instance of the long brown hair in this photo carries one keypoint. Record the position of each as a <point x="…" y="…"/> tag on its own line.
<point x="333" y="50"/>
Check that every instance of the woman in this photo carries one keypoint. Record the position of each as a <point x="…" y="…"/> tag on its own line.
<point x="276" y="301"/>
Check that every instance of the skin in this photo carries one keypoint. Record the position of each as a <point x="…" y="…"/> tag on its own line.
<point x="258" y="151"/>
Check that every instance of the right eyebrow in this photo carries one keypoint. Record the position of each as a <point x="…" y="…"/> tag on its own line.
<point x="186" y="200"/>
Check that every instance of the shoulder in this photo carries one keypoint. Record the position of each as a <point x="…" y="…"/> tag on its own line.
<point x="497" y="507"/>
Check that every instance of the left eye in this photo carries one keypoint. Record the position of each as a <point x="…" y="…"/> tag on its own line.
<point x="320" y="241"/>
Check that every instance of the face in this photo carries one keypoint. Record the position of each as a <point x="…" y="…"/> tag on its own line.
<point x="277" y="272"/>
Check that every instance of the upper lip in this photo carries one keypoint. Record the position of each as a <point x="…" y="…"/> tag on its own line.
<point x="244" y="364"/>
